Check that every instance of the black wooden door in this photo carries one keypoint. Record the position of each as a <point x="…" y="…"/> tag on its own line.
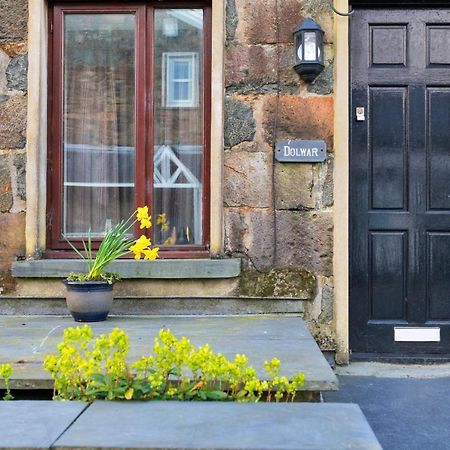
<point x="400" y="181"/>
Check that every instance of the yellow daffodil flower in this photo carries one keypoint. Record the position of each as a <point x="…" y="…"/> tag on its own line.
<point x="139" y="246"/>
<point x="162" y="220"/>
<point x="145" y="223"/>
<point x="142" y="213"/>
<point x="151" y="253"/>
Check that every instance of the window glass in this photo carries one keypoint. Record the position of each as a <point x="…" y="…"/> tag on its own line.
<point x="98" y="121"/>
<point x="178" y="126"/>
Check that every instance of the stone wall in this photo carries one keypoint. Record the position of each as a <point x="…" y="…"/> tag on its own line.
<point x="278" y="216"/>
<point x="13" y="112"/>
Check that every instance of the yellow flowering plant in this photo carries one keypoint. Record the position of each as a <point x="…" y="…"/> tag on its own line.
<point x="115" y="244"/>
<point x="6" y="372"/>
<point x="87" y="369"/>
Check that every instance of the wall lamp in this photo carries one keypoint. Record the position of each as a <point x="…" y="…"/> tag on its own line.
<point x="308" y="44"/>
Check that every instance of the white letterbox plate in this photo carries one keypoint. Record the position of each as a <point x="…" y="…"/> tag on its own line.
<point x="417" y="334"/>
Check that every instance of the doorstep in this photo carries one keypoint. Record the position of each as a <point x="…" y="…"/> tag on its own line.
<point x="25" y="340"/>
<point x="184" y="425"/>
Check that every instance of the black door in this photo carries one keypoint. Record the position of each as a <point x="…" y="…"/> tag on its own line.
<point x="400" y="181"/>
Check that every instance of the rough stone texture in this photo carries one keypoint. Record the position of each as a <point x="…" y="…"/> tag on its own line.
<point x="4" y="61"/>
<point x="290" y="283"/>
<point x="256" y="21"/>
<point x="16" y="73"/>
<point x="327" y="194"/>
<point x="13" y="19"/>
<point x="19" y="163"/>
<point x="297" y="186"/>
<point x="239" y="122"/>
<point x="231" y="19"/>
<point x="12" y="245"/>
<point x="323" y="84"/>
<point x="13" y="116"/>
<point x="248" y="179"/>
<point x="250" y="232"/>
<point x="6" y="197"/>
<point x="326" y="315"/>
<point x="299" y="118"/>
<point x="13" y="49"/>
<point x="321" y="12"/>
<point x="250" y="65"/>
<point x="305" y="240"/>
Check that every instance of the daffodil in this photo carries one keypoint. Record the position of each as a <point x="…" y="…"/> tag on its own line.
<point x="151" y="253"/>
<point x="140" y="245"/>
<point x="162" y="220"/>
<point x="142" y="213"/>
<point x="145" y="223"/>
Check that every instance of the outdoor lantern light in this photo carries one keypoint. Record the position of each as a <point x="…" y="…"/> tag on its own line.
<point x="308" y="43"/>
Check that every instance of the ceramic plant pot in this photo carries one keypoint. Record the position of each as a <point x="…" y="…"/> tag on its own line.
<point x="89" y="301"/>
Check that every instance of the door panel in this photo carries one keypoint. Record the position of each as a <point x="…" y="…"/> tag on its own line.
<point x="400" y="178"/>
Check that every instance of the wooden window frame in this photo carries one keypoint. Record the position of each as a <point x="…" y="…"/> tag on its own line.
<point x="144" y="11"/>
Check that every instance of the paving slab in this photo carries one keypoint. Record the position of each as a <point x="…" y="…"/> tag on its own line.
<point x="35" y="424"/>
<point x="24" y="341"/>
<point x="214" y="425"/>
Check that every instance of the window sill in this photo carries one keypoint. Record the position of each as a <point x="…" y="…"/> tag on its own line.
<point x="129" y="269"/>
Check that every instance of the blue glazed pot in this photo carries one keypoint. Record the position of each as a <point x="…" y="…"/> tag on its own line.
<point x="89" y="301"/>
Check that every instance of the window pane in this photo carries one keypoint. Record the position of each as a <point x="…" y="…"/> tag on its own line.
<point x="98" y="121"/>
<point x="181" y="90"/>
<point x="178" y="127"/>
<point x="181" y="70"/>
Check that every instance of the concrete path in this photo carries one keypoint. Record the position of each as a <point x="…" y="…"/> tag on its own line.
<point x="25" y="340"/>
<point x="184" y="425"/>
<point x="405" y="413"/>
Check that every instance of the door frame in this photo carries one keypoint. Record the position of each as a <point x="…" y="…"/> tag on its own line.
<point x="341" y="213"/>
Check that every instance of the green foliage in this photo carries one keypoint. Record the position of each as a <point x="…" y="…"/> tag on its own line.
<point x="88" y="369"/>
<point x="116" y="243"/>
<point x="105" y="276"/>
<point x="6" y="372"/>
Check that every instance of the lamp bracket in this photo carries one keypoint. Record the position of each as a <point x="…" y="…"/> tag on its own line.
<point x="339" y="13"/>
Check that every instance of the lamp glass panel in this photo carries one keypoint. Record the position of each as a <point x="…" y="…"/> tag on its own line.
<point x="310" y="46"/>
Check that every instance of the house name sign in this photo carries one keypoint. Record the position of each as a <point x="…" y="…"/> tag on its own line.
<point x="300" y="151"/>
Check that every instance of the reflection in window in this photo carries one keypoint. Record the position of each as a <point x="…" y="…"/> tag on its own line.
<point x="178" y="126"/>
<point x="180" y="70"/>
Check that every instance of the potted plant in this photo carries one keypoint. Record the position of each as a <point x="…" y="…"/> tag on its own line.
<point x="89" y="295"/>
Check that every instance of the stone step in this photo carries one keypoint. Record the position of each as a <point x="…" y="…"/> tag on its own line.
<point x="184" y="425"/>
<point x="25" y="340"/>
<point x="159" y="305"/>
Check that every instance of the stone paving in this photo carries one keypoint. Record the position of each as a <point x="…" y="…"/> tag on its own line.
<point x="25" y="340"/>
<point x="184" y="425"/>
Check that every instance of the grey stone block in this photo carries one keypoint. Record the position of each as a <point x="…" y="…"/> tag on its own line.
<point x="16" y="73"/>
<point x="160" y="269"/>
<point x="259" y="337"/>
<point x="212" y="425"/>
<point x="35" y="424"/>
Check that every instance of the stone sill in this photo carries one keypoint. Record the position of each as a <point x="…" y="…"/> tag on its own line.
<point x="128" y="269"/>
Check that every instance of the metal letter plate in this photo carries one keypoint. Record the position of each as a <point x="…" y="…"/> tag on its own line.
<point x="416" y="334"/>
<point x="295" y="150"/>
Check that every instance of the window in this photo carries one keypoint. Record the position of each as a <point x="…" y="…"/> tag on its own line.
<point x="179" y="70"/>
<point x="129" y="110"/>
